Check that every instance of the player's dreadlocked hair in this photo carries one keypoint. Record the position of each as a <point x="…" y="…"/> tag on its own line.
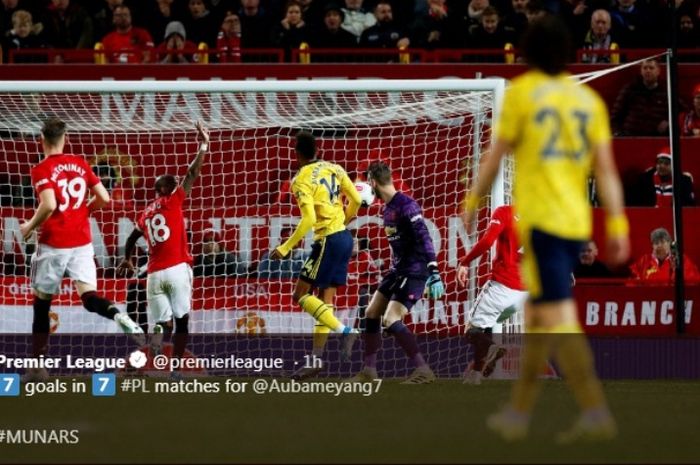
<point x="380" y="172"/>
<point x="546" y="45"/>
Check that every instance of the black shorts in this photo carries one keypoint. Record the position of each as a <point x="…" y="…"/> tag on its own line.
<point x="327" y="266"/>
<point x="406" y="290"/>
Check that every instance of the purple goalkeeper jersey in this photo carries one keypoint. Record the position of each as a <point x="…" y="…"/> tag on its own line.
<point x="411" y="246"/>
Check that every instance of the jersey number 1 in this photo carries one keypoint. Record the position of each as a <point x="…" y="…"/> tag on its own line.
<point x="158" y="231"/>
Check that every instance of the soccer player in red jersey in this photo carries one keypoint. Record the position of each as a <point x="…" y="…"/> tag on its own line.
<point x="169" y="283"/>
<point x="504" y="291"/>
<point x="63" y="182"/>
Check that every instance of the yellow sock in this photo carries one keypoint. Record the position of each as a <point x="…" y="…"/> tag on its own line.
<point x="323" y="313"/>
<point x="321" y="333"/>
<point x="575" y="359"/>
<point x="532" y="364"/>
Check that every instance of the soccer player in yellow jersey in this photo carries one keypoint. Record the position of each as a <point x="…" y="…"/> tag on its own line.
<point x="317" y="188"/>
<point x="558" y="131"/>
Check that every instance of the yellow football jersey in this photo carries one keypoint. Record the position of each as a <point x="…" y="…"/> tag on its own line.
<point x="321" y="183"/>
<point x="553" y="124"/>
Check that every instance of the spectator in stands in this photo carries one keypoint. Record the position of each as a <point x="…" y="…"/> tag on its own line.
<point x="201" y="25"/>
<point x="331" y="35"/>
<point x="127" y="44"/>
<point x="655" y="185"/>
<point x="7" y="9"/>
<point x="357" y="19"/>
<point x="68" y="25"/>
<point x="660" y="264"/>
<point x="103" y="19"/>
<point x="690" y="120"/>
<point x="515" y="21"/>
<point x="175" y="48"/>
<point x="23" y="36"/>
<point x="228" y="42"/>
<point x="687" y="33"/>
<point x="589" y="266"/>
<point x="473" y="12"/>
<point x="255" y="25"/>
<point x="631" y="24"/>
<point x="598" y="37"/>
<point x="292" y="31"/>
<point x="385" y="33"/>
<point x="577" y="16"/>
<point x="440" y="27"/>
<point x="490" y="34"/>
<point x="214" y="261"/>
<point x="287" y="268"/>
<point x="160" y="14"/>
<point x="312" y="13"/>
<point x="535" y="10"/>
<point x="641" y="107"/>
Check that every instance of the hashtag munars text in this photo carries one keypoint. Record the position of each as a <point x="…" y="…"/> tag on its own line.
<point x="39" y="436"/>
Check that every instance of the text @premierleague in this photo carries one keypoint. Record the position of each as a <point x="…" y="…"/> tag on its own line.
<point x="107" y="384"/>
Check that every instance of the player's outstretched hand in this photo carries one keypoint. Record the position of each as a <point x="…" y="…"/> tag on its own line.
<point x="202" y="133"/>
<point x="462" y="274"/>
<point x="125" y="268"/>
<point x="276" y="255"/>
<point x="434" y="287"/>
<point x="618" y="250"/>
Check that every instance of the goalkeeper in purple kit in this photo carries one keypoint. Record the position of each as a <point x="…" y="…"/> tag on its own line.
<point x="413" y="271"/>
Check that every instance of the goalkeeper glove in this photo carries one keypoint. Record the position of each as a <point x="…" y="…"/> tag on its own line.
<point x="434" y="287"/>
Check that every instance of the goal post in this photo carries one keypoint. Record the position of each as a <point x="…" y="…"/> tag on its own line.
<point x="431" y="132"/>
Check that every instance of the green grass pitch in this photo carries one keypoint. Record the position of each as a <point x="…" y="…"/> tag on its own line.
<point x="438" y="423"/>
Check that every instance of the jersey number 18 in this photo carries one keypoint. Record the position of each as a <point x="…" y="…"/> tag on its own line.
<point x="158" y="231"/>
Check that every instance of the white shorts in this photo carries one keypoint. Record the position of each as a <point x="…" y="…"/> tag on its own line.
<point x="50" y="265"/>
<point x="169" y="292"/>
<point x="492" y="300"/>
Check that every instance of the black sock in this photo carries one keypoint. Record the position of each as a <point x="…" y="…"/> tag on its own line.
<point x="180" y="336"/>
<point x="41" y="326"/>
<point x="96" y="304"/>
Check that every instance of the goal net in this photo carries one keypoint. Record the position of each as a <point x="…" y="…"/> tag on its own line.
<point x="431" y="133"/>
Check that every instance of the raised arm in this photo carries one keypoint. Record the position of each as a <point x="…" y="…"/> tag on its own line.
<point x="302" y="192"/>
<point x="196" y="165"/>
<point x="47" y="205"/>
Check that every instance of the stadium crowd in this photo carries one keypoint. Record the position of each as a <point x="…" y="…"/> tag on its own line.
<point x="170" y="30"/>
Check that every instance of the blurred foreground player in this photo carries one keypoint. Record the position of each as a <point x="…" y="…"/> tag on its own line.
<point x="503" y="294"/>
<point x="558" y="130"/>
<point x="317" y="188"/>
<point x="169" y="282"/>
<point x="63" y="183"/>
<point x="413" y="270"/>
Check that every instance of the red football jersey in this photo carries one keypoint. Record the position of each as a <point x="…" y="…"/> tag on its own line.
<point x="163" y="225"/>
<point x="71" y="179"/>
<point x="505" y="268"/>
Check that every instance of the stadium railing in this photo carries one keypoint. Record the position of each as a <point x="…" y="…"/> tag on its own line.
<point x="312" y="55"/>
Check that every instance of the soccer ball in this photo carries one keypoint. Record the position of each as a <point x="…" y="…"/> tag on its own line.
<point x="366" y="193"/>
